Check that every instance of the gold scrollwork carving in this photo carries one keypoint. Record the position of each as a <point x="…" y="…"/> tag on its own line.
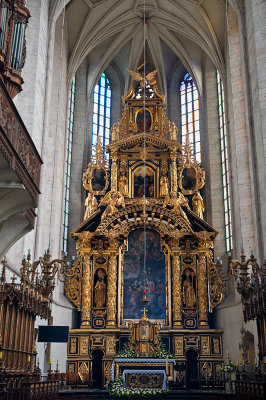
<point x="108" y="371"/>
<point x="176" y="279"/>
<point x="73" y="284"/>
<point x="73" y="345"/>
<point x="191" y="177"/>
<point x="216" y="345"/>
<point x="86" y="293"/>
<point x="202" y="291"/>
<point x="96" y="176"/>
<point x="111" y="292"/>
<point x="179" y="350"/>
<point x="110" y="345"/>
<point x="206" y="370"/>
<point x="205" y="345"/>
<point x="216" y="285"/>
<point x="84" y="343"/>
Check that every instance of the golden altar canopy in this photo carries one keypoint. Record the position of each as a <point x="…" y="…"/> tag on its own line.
<point x="143" y="229"/>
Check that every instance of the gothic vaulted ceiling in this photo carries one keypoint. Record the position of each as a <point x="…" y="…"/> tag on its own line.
<point x="176" y="31"/>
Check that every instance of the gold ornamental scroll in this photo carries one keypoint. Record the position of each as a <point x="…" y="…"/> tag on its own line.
<point x="114" y="173"/>
<point x="202" y="291"/>
<point x="111" y="292"/>
<point x="174" y="185"/>
<point x="86" y="294"/>
<point x="176" y="280"/>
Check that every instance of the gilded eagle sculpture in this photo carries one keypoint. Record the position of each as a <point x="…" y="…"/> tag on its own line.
<point x="150" y="77"/>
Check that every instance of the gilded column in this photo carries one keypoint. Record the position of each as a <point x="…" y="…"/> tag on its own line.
<point x="176" y="281"/>
<point x="86" y="294"/>
<point x="114" y="173"/>
<point x="174" y="186"/>
<point x="202" y="291"/>
<point x="112" y="290"/>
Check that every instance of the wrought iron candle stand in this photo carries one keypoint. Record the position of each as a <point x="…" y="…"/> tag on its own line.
<point x="251" y="285"/>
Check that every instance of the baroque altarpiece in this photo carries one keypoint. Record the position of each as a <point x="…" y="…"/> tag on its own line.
<point x="144" y="233"/>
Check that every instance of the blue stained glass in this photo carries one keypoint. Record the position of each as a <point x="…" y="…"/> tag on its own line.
<point x="190" y="114"/>
<point x="102" y="111"/>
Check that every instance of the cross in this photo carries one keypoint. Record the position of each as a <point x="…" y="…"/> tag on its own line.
<point x="144" y="310"/>
<point x="13" y="279"/>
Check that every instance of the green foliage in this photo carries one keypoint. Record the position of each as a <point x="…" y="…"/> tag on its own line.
<point x="161" y="352"/>
<point x="126" y="352"/>
<point x="118" y="390"/>
<point x="228" y="367"/>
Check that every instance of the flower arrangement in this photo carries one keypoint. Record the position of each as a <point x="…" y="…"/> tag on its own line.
<point x="126" y="352"/>
<point x="228" y="367"/>
<point x="118" y="390"/>
<point x="161" y="352"/>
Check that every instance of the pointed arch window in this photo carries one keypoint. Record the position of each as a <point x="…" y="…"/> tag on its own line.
<point x="70" y="126"/>
<point x="225" y="165"/>
<point x="190" y="116"/>
<point x="101" y="119"/>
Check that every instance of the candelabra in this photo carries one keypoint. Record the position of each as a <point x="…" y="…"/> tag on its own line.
<point x="41" y="273"/>
<point x="251" y="285"/>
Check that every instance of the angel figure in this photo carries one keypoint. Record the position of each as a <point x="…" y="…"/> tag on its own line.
<point x="198" y="205"/>
<point x="177" y="201"/>
<point x="91" y="205"/>
<point x="123" y="185"/>
<point x="115" y="201"/>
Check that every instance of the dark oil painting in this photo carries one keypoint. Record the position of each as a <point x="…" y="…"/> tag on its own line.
<point x="143" y="120"/>
<point x="143" y="182"/>
<point x="136" y="280"/>
<point x="189" y="179"/>
<point x="98" y="181"/>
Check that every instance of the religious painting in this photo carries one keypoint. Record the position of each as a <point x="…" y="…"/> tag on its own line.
<point x="189" y="179"/>
<point x="144" y="269"/>
<point x="98" y="180"/>
<point x="144" y="182"/>
<point x="143" y="120"/>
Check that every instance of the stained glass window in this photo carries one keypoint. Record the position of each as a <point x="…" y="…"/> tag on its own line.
<point x="225" y="165"/>
<point x="190" y="116"/>
<point x="101" y="119"/>
<point x="71" y="105"/>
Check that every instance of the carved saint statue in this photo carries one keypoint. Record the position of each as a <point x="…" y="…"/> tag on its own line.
<point x="123" y="185"/>
<point x="115" y="132"/>
<point x="198" y="205"/>
<point x="91" y="205"/>
<point x="112" y="202"/>
<point x="164" y="185"/>
<point x="188" y="293"/>
<point x="173" y="131"/>
<point x="100" y="290"/>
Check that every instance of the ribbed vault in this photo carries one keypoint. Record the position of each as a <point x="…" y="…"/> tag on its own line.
<point x="113" y="30"/>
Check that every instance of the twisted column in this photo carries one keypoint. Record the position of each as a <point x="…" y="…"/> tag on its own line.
<point x="112" y="290"/>
<point x="202" y="291"/>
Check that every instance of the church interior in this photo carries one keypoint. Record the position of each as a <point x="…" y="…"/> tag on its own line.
<point x="132" y="199"/>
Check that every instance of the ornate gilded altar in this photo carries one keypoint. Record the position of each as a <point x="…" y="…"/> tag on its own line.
<point x="143" y="231"/>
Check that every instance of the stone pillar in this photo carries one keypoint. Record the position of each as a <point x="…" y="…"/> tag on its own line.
<point x="111" y="292"/>
<point x="176" y="281"/>
<point x="202" y="291"/>
<point x="86" y="294"/>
